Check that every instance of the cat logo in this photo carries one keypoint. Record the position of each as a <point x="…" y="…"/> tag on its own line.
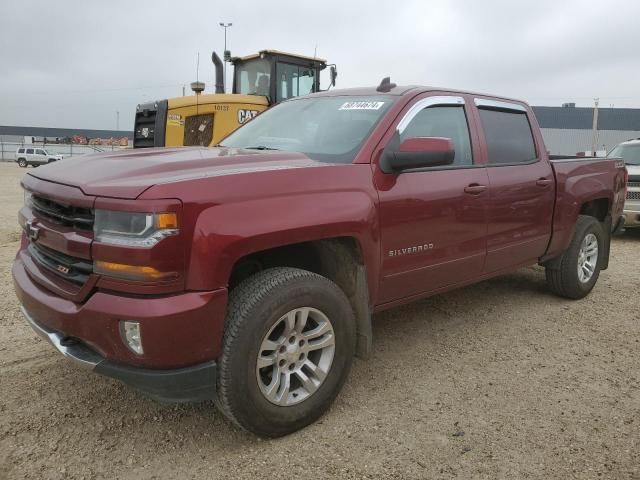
<point x="62" y="269"/>
<point x="246" y="115"/>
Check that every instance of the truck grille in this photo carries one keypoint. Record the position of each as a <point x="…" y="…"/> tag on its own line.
<point x="633" y="195"/>
<point x="149" y="128"/>
<point x="61" y="214"/>
<point x="633" y="185"/>
<point x="73" y="269"/>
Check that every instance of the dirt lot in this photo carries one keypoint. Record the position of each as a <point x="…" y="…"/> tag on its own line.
<point x="497" y="380"/>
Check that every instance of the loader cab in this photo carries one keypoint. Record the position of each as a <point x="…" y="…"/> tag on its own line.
<point x="278" y="75"/>
<point x="259" y="81"/>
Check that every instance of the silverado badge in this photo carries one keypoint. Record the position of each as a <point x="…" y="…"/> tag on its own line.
<point x="411" y="250"/>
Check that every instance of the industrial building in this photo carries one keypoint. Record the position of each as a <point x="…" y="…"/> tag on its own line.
<point x="62" y="141"/>
<point x="568" y="130"/>
<point x="22" y="134"/>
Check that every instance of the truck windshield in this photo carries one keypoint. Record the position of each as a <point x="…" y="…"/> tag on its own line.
<point x="629" y="153"/>
<point x="327" y="129"/>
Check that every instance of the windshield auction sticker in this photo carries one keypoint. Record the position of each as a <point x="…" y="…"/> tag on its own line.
<point x="361" y="106"/>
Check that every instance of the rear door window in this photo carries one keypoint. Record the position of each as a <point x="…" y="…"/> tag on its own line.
<point x="508" y="136"/>
<point x="29" y="151"/>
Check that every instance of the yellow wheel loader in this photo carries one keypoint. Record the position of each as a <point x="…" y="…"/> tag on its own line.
<point x="259" y="81"/>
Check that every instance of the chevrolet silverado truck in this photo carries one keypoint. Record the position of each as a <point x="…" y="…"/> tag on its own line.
<point x="248" y="273"/>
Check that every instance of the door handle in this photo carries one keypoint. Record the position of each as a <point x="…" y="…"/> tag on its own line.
<point x="475" y="189"/>
<point x="544" y="182"/>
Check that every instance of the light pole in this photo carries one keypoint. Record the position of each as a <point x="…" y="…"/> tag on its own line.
<point x="225" y="56"/>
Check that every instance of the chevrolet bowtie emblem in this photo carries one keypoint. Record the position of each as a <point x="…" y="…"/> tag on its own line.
<point x="31" y="231"/>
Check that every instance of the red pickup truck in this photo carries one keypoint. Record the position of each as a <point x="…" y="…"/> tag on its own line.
<point x="248" y="273"/>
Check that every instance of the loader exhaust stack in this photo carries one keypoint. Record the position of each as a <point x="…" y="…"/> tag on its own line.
<point x="219" y="83"/>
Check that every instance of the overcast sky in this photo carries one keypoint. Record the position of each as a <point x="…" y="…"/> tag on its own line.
<point x="76" y="63"/>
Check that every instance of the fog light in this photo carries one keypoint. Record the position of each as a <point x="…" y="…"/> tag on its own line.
<point x="130" y="332"/>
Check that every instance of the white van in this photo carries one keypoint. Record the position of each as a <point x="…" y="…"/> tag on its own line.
<point x="26" y="156"/>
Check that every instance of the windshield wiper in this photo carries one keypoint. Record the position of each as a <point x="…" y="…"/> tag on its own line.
<point x="260" y="147"/>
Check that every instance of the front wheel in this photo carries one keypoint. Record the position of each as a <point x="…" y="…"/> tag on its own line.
<point x="577" y="272"/>
<point x="288" y="346"/>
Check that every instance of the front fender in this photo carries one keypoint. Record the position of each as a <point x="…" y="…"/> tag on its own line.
<point x="225" y="233"/>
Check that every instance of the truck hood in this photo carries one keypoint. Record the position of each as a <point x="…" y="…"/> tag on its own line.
<point x="126" y="174"/>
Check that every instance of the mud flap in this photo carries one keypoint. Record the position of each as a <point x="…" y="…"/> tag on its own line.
<point x="360" y="302"/>
<point x="606" y="228"/>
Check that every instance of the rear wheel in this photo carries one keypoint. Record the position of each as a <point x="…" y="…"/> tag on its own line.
<point x="288" y="346"/>
<point x="22" y="162"/>
<point x="575" y="275"/>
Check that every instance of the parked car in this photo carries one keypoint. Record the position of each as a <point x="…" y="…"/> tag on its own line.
<point x="248" y="273"/>
<point x="630" y="153"/>
<point x="26" y="156"/>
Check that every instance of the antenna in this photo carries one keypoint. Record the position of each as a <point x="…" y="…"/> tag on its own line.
<point x="385" y="85"/>
<point x="315" y="51"/>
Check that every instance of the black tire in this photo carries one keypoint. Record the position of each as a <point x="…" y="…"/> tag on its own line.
<point x="22" y="163"/>
<point x="256" y="305"/>
<point x="562" y="275"/>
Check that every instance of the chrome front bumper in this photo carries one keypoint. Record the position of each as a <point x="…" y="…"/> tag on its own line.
<point x="631" y="218"/>
<point x="190" y="384"/>
<point x="76" y="351"/>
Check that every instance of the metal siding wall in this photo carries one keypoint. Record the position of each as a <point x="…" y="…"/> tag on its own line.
<point x="569" y="141"/>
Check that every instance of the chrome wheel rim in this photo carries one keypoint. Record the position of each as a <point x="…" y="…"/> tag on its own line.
<point x="587" y="258"/>
<point x="295" y="356"/>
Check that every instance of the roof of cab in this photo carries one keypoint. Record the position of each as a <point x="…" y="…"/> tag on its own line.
<point x="412" y="90"/>
<point x="277" y="52"/>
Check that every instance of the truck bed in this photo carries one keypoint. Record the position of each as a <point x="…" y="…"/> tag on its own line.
<point x="578" y="181"/>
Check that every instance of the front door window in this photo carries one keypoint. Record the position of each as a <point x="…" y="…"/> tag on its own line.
<point x="293" y="81"/>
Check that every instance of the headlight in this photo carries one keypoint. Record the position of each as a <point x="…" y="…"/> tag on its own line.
<point x="133" y="229"/>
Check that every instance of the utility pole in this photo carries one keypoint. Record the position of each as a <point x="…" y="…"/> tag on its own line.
<point x="594" y="133"/>
<point x="117" y="120"/>
<point x="226" y="53"/>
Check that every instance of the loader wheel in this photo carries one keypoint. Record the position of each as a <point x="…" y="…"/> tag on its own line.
<point x="288" y="346"/>
<point x="22" y="163"/>
<point x="579" y="268"/>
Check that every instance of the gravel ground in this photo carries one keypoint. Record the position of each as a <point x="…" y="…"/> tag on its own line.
<point x="496" y="380"/>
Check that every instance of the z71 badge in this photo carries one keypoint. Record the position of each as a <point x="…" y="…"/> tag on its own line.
<point x="411" y="250"/>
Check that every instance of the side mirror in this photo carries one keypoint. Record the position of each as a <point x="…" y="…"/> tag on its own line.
<point x="417" y="152"/>
<point x="333" y="73"/>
